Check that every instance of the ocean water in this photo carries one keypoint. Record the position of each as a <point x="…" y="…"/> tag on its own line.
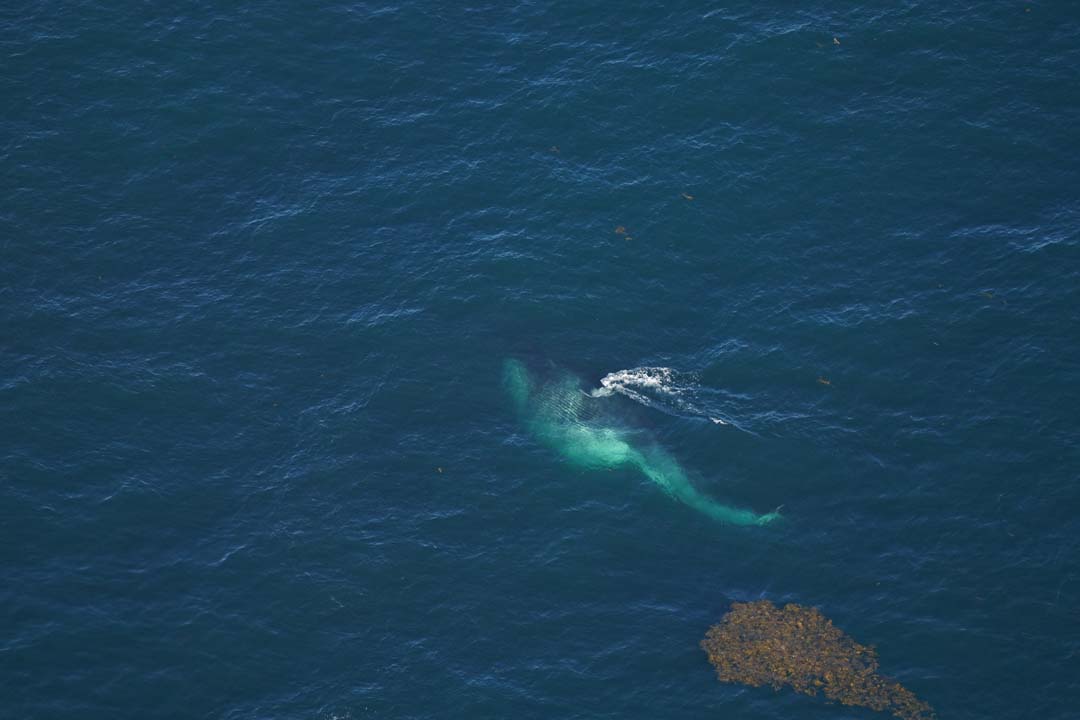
<point x="263" y="265"/>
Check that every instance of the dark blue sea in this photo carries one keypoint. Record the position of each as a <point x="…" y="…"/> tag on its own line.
<point x="264" y="268"/>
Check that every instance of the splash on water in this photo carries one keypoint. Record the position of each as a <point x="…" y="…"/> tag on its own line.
<point x="667" y="390"/>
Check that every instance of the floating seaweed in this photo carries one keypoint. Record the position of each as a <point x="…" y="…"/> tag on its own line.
<point x="757" y="644"/>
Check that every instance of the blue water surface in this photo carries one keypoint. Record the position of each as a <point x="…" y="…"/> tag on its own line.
<point x="262" y="264"/>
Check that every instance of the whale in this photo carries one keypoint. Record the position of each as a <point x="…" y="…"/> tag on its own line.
<point x="560" y="415"/>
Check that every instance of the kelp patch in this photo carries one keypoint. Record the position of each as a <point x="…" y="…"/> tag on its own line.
<point x="757" y="643"/>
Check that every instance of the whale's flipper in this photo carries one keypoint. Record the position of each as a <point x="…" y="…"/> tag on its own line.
<point x="518" y="384"/>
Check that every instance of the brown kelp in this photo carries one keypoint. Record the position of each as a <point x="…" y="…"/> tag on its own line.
<point x="757" y="643"/>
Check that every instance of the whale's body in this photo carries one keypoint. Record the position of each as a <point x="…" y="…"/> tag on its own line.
<point x="560" y="415"/>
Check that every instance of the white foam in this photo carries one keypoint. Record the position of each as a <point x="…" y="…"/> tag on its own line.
<point x="662" y="388"/>
<point x="654" y="387"/>
<point x="634" y="383"/>
<point x="659" y="378"/>
<point x="665" y="389"/>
